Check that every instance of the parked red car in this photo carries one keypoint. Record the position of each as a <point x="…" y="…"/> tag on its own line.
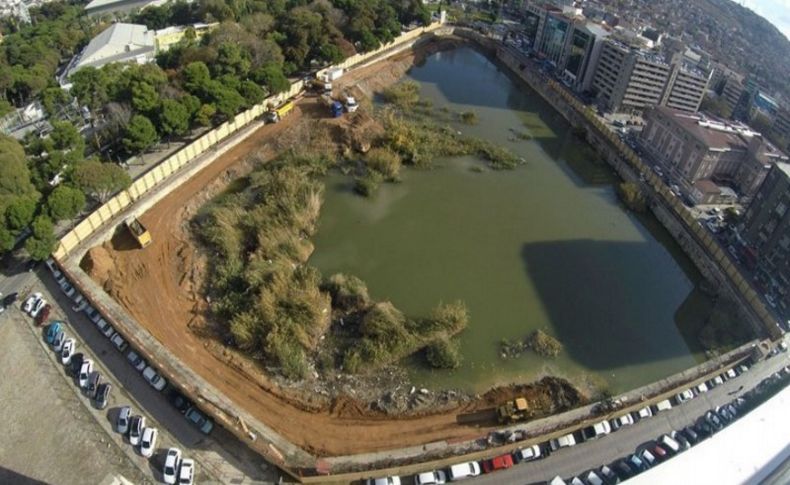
<point x="498" y="463"/>
<point x="43" y="315"/>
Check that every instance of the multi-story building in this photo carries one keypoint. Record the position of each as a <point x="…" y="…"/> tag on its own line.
<point x="629" y="78"/>
<point x="118" y="43"/>
<point x="582" y="54"/>
<point x="732" y="92"/>
<point x="766" y="231"/>
<point x="555" y="37"/>
<point x="700" y="152"/>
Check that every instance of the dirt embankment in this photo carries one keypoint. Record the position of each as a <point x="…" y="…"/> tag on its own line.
<point x="160" y="287"/>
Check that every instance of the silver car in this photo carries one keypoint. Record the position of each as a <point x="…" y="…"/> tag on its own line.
<point x="122" y="423"/>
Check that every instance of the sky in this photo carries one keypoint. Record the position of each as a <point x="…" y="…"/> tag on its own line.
<point x="776" y="11"/>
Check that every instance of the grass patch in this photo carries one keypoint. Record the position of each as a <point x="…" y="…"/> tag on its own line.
<point x="404" y="94"/>
<point x="544" y="344"/>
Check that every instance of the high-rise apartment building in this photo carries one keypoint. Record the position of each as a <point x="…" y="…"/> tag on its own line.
<point x="766" y="230"/>
<point x="631" y="79"/>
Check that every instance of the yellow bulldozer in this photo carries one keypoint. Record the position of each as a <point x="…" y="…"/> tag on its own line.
<point x="512" y="411"/>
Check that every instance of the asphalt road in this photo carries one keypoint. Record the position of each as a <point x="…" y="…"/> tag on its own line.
<point x="220" y="458"/>
<point x="573" y="461"/>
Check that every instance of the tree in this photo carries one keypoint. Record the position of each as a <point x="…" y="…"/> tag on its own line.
<point x="89" y="86"/>
<point x="6" y="239"/>
<point x="54" y="99"/>
<point x="42" y="242"/>
<point x="196" y="76"/>
<point x="205" y="114"/>
<point x="145" y="99"/>
<point x="140" y="134"/>
<point x="227" y="100"/>
<point x="271" y="76"/>
<point x="19" y="213"/>
<point x="173" y="118"/>
<point x="65" y="136"/>
<point x="100" y="180"/>
<point x="251" y="92"/>
<point x="65" y="202"/>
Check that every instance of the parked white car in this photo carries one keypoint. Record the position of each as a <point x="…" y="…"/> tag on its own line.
<point x="30" y="303"/>
<point x="562" y="442"/>
<point x="85" y="372"/>
<point x="621" y="421"/>
<point x="157" y="382"/>
<point x="701" y="387"/>
<point x="436" y="477"/>
<point x="664" y="405"/>
<point x="186" y="475"/>
<point x="67" y="351"/>
<point x="643" y="413"/>
<point x="172" y="464"/>
<point x="148" y="442"/>
<point x="684" y="396"/>
<point x="37" y="306"/>
<point x="464" y="470"/>
<point x="527" y="454"/>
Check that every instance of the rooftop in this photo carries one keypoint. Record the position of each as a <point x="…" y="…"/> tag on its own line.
<point x="715" y="134"/>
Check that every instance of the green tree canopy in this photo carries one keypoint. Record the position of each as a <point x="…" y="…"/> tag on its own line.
<point x="272" y="76"/>
<point x="100" y="180"/>
<point x="173" y="118"/>
<point x="41" y="244"/>
<point x="140" y="134"/>
<point x="65" y="202"/>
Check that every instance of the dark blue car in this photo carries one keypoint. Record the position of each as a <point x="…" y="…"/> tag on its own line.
<point x="52" y="331"/>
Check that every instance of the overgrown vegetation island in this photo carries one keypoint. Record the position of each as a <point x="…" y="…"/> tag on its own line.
<point x="280" y="309"/>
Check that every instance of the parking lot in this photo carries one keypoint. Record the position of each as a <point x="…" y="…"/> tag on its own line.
<point x="220" y="457"/>
<point x="48" y="434"/>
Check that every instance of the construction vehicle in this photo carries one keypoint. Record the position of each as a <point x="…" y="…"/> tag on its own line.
<point x="320" y="85"/>
<point x="512" y="411"/>
<point x="139" y="232"/>
<point x="274" y="115"/>
<point x="335" y="107"/>
<point x="350" y="103"/>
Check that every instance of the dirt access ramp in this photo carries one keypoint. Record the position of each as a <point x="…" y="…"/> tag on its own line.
<point x="160" y="287"/>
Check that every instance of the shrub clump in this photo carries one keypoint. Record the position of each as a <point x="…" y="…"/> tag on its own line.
<point x="469" y="118"/>
<point x="384" y="161"/>
<point x="385" y="335"/>
<point x="348" y="292"/>
<point x="443" y="354"/>
<point x="366" y="185"/>
<point x="632" y="196"/>
<point x="544" y="344"/>
<point x="403" y="95"/>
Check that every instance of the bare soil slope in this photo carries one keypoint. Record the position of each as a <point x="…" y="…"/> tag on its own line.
<point x="160" y="287"/>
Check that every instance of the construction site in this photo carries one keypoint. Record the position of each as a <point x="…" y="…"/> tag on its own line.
<point x="154" y="271"/>
<point x="160" y="287"/>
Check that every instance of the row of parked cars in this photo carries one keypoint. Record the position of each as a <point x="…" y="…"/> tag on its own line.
<point x="664" y="448"/>
<point x="149" y="373"/>
<point x="176" y="469"/>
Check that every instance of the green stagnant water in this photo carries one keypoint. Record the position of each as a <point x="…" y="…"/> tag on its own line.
<point x="544" y="246"/>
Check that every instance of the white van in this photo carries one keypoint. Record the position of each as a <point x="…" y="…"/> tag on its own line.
<point x="562" y="442"/>
<point x="464" y="470"/>
<point x="670" y="443"/>
<point x="664" y="405"/>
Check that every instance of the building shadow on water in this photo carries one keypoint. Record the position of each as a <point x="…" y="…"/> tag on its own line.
<point x="611" y="303"/>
